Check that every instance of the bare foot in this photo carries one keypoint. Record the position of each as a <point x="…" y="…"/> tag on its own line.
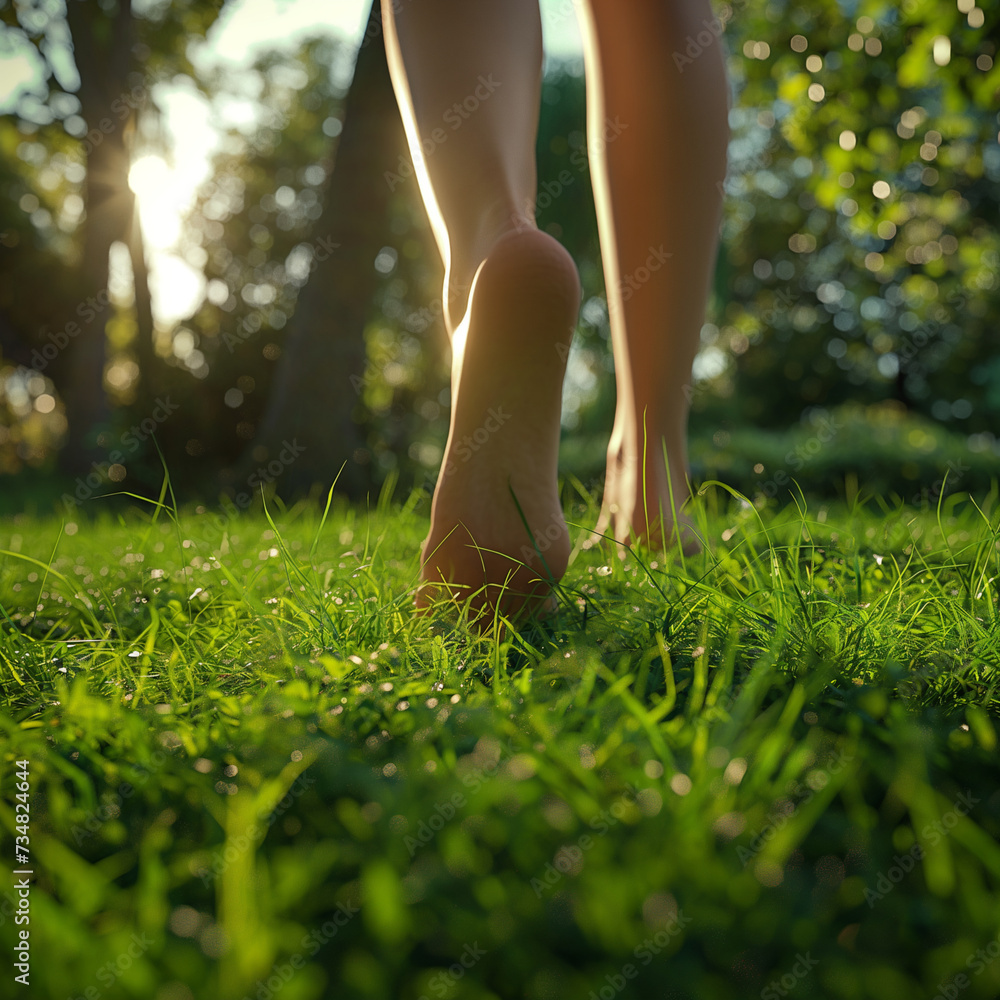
<point x="637" y="504"/>
<point x="510" y="358"/>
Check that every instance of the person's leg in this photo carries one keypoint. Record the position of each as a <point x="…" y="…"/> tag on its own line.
<point x="467" y="77"/>
<point x="658" y="134"/>
<point x="467" y="74"/>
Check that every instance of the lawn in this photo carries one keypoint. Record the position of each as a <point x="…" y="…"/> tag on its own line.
<point x="768" y="770"/>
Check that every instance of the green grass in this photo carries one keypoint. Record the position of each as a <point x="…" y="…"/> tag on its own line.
<point x="254" y="773"/>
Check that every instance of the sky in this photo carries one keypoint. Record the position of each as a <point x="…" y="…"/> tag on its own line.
<point x="248" y="24"/>
<point x="166" y="188"/>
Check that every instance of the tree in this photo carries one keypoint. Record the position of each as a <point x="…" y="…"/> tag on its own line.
<point x="857" y="238"/>
<point x="316" y="387"/>
<point x="103" y="50"/>
<point x="107" y="40"/>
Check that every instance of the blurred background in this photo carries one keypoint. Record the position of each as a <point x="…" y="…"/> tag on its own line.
<point x="213" y="253"/>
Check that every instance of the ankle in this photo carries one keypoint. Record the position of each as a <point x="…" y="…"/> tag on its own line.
<point x="468" y="254"/>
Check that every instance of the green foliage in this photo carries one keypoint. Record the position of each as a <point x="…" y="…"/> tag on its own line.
<point x="253" y="230"/>
<point x="831" y="289"/>
<point x="858" y="250"/>
<point x="44" y="145"/>
<point x="881" y="446"/>
<point x="246" y="752"/>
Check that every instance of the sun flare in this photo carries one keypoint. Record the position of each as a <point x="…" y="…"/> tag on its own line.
<point x="164" y="197"/>
<point x="159" y="194"/>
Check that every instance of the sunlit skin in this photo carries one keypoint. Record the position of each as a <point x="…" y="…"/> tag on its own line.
<point x="657" y="136"/>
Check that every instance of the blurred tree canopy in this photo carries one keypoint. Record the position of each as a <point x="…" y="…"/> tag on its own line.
<point x="860" y="248"/>
<point x="859" y="259"/>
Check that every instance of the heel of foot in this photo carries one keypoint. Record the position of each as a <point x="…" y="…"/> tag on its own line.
<point x="542" y="257"/>
<point x="510" y="358"/>
<point x="530" y="273"/>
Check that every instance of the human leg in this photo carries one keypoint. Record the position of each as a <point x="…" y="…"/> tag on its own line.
<point x="657" y="185"/>
<point x="497" y="531"/>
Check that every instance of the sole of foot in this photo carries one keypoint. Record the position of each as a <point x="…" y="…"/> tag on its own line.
<point x="498" y="540"/>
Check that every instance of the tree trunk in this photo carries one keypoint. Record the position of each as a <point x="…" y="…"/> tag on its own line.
<point x="316" y="386"/>
<point x="102" y="48"/>
<point x="145" y="355"/>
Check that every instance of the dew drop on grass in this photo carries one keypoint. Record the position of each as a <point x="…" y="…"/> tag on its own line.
<point x="650" y="801"/>
<point x="768" y="873"/>
<point x="185" y="921"/>
<point x="735" y="770"/>
<point x="730" y="825"/>
<point x="681" y="784"/>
